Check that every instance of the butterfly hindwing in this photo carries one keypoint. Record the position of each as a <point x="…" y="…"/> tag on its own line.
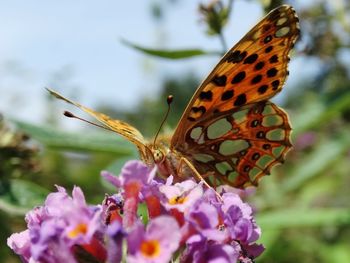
<point x="239" y="148"/>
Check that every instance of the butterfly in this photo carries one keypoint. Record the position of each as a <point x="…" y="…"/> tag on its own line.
<point x="230" y="133"/>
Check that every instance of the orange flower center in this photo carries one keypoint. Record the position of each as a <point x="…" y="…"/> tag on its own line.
<point x="177" y="200"/>
<point x="79" y="229"/>
<point x="150" y="248"/>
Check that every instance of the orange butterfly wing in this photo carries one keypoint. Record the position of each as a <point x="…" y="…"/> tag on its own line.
<point x="127" y="131"/>
<point x="253" y="71"/>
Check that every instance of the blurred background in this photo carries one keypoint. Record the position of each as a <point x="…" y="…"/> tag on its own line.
<point x="123" y="58"/>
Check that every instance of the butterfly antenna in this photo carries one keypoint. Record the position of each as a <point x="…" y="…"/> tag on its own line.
<point x="169" y="100"/>
<point x="71" y="115"/>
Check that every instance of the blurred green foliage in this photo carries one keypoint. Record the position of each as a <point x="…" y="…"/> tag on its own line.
<point x="303" y="208"/>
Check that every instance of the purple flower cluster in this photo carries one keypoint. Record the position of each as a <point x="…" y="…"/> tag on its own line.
<point x="148" y="220"/>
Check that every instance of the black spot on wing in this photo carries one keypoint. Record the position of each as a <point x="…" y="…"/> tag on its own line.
<point x="259" y="65"/>
<point x="262" y="89"/>
<point x="260" y="135"/>
<point x="256" y="79"/>
<point x="251" y="59"/>
<point x="206" y="95"/>
<point x="268" y="49"/>
<point x="238" y="77"/>
<point x="240" y="100"/>
<point x="267" y="39"/>
<point x="236" y="56"/>
<point x="219" y="81"/>
<point x="254" y="123"/>
<point x="255" y="156"/>
<point x="271" y="72"/>
<point x="228" y="94"/>
<point x="273" y="59"/>
<point x="266" y="146"/>
<point x="200" y="109"/>
<point x="275" y="84"/>
<point x="246" y="168"/>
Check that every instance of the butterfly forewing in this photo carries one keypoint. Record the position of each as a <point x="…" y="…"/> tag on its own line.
<point x="253" y="71"/>
<point x="120" y="127"/>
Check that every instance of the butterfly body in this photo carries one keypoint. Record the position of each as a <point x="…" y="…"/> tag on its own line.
<point x="230" y="133"/>
<point x="168" y="161"/>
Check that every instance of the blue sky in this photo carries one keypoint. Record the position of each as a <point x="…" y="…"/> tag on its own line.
<point x="42" y="41"/>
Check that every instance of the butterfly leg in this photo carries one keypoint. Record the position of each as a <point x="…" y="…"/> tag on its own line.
<point x="183" y="160"/>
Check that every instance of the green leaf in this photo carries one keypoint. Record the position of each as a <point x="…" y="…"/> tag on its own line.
<point x="268" y="238"/>
<point x="96" y="142"/>
<point x="336" y="252"/>
<point x="170" y="54"/>
<point x="294" y="217"/>
<point x="315" y="114"/>
<point x="23" y="197"/>
<point x="307" y="115"/>
<point x="321" y="158"/>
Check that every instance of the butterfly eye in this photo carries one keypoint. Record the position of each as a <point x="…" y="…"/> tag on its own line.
<point x="158" y="156"/>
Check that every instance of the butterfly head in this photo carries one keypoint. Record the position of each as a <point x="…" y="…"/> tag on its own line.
<point x="158" y="155"/>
